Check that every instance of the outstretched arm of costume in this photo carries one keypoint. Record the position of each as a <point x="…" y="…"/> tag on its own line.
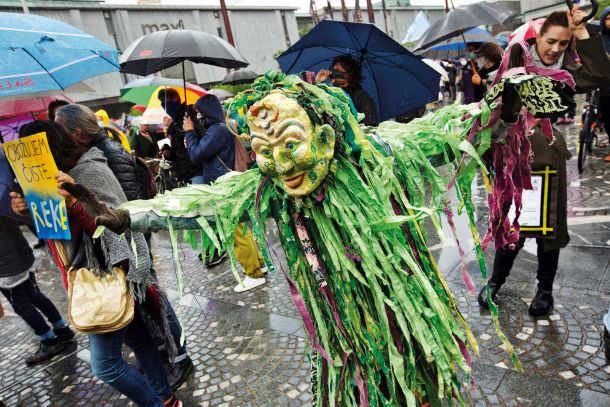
<point x="229" y="199"/>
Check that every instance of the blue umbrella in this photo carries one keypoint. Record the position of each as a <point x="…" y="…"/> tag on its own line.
<point x="502" y="38"/>
<point x="39" y="54"/>
<point x="397" y="80"/>
<point x="455" y="47"/>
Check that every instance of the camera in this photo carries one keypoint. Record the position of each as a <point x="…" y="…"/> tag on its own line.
<point x="199" y="122"/>
<point x="337" y="74"/>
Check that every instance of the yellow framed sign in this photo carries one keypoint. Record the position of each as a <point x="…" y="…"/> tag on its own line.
<point x="538" y="218"/>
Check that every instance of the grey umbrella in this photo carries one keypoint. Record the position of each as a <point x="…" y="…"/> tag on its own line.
<point x="239" y="77"/>
<point x="221" y="94"/>
<point x="461" y="19"/>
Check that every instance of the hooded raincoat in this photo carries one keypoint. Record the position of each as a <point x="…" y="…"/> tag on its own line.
<point x="215" y="150"/>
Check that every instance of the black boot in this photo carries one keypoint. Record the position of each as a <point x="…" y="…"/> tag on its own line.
<point x="482" y="297"/>
<point x="64" y="334"/>
<point x="48" y="348"/>
<point x="179" y="373"/>
<point x="542" y="303"/>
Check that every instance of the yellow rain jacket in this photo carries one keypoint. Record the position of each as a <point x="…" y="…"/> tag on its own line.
<point x="103" y="116"/>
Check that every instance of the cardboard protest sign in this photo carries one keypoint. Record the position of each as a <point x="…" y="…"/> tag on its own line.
<point x="31" y="160"/>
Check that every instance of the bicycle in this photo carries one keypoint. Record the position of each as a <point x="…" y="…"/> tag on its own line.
<point x="589" y="127"/>
<point x="165" y="179"/>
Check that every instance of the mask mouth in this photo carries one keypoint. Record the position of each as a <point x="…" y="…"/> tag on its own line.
<point x="294" y="181"/>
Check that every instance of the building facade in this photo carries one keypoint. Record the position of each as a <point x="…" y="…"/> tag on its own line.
<point x="259" y="33"/>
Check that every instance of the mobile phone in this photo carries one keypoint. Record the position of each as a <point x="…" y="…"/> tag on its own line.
<point x="337" y="74"/>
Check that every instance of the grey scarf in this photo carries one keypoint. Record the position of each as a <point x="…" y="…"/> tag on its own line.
<point x="92" y="171"/>
<point x="538" y="62"/>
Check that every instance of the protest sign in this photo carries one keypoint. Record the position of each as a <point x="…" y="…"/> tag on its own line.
<point x="31" y="160"/>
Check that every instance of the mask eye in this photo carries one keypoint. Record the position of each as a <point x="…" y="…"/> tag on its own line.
<point x="266" y="153"/>
<point x="291" y="146"/>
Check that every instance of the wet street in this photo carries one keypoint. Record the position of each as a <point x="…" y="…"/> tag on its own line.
<point x="249" y="349"/>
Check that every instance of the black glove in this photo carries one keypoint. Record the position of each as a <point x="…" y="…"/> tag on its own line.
<point x="117" y="221"/>
<point x="511" y="104"/>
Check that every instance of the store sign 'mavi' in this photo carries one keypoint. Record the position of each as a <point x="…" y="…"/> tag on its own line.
<point x="150" y="28"/>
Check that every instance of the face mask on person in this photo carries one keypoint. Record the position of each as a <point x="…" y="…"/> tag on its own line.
<point x="481" y="62"/>
<point x="100" y="123"/>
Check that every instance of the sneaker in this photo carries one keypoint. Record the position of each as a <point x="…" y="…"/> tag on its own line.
<point x="172" y="402"/>
<point x="180" y="373"/>
<point x="569" y="120"/>
<point x="561" y="120"/>
<point x="216" y="260"/>
<point x="607" y="158"/>
<point x="264" y="269"/>
<point x="47" y="349"/>
<point x="64" y="334"/>
<point x="249" y="283"/>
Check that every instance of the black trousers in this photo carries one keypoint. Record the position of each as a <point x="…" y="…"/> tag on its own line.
<point x="547" y="265"/>
<point x="27" y="300"/>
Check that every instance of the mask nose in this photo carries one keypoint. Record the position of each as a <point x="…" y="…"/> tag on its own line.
<point x="282" y="163"/>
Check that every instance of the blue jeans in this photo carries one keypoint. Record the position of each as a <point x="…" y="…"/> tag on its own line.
<point x="109" y="366"/>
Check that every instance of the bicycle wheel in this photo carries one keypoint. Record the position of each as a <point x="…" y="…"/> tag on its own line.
<point x="585" y="140"/>
<point x="160" y="184"/>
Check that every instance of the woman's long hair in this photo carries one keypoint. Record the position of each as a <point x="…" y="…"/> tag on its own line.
<point x="65" y="150"/>
<point x="79" y="117"/>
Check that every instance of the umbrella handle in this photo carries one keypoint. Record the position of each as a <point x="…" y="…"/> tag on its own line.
<point x="594" y="8"/>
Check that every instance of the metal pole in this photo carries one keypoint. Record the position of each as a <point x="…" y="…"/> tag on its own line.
<point x="343" y="10"/>
<point x="369" y="7"/>
<point x="225" y="18"/>
<point x="313" y="12"/>
<point x="24" y="6"/>
<point x="385" y="17"/>
<point x="184" y="84"/>
<point x="330" y="10"/>
<point x="357" y="13"/>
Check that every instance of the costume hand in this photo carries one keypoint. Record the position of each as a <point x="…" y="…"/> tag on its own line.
<point x="167" y="121"/>
<point x="578" y="23"/>
<point x="18" y="204"/>
<point x="62" y="177"/>
<point x="117" y="221"/>
<point x="323" y="75"/>
<point x="476" y="79"/>
<point x="187" y="124"/>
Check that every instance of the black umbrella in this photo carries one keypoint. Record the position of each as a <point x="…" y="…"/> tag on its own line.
<point x="163" y="49"/>
<point x="239" y="77"/>
<point x="462" y="19"/>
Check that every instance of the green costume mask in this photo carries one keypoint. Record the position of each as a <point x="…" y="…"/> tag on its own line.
<point x="290" y="149"/>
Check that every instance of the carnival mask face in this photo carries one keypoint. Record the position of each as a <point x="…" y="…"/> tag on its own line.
<point x="289" y="148"/>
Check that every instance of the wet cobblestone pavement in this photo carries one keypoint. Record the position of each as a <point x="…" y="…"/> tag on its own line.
<point x="249" y="349"/>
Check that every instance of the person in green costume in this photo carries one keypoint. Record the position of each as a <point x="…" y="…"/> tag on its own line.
<point x="383" y="326"/>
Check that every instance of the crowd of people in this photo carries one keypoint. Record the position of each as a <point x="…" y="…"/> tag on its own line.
<point x="92" y="151"/>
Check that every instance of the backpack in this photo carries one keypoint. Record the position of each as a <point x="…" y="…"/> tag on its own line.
<point x="242" y="158"/>
<point x="147" y="189"/>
